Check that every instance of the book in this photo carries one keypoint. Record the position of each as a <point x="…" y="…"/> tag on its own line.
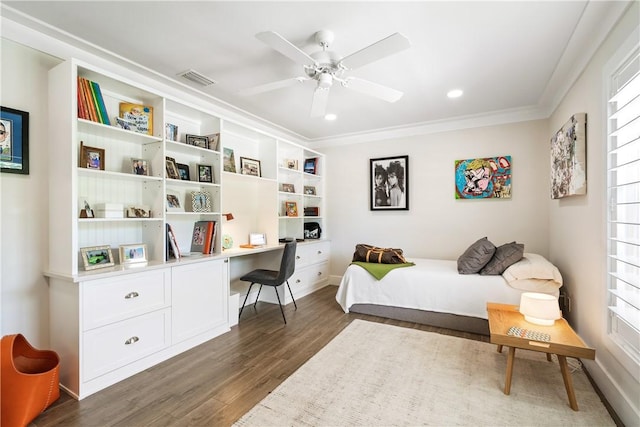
<point x="89" y="101"/>
<point x="100" y="103"/>
<point x="94" y="100"/>
<point x="141" y="115"/>
<point x="82" y="107"/>
<point x="208" y="238"/>
<point x="173" y="242"/>
<point x="199" y="235"/>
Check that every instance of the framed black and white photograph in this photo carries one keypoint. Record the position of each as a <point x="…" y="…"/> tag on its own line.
<point x="389" y="183"/>
<point x="96" y="257"/>
<point x="198" y="141"/>
<point x="131" y="254"/>
<point x="183" y="171"/>
<point x="205" y="173"/>
<point x="250" y="166"/>
<point x="172" y="168"/>
<point x="14" y="141"/>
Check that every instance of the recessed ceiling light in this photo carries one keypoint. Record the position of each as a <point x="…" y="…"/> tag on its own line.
<point x="330" y="117"/>
<point x="455" y="93"/>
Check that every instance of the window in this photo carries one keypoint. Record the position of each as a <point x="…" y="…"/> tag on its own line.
<point x="623" y="203"/>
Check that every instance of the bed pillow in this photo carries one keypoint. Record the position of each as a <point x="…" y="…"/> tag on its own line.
<point x="476" y="256"/>
<point x="505" y="256"/>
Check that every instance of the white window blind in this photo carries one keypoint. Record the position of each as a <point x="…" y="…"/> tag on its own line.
<point x="623" y="218"/>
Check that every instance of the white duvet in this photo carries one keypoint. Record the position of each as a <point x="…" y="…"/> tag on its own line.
<point x="431" y="285"/>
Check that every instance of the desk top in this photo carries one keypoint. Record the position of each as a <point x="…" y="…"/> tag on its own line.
<point x="564" y="340"/>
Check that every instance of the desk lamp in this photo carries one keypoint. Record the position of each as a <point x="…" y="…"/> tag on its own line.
<point x="539" y="309"/>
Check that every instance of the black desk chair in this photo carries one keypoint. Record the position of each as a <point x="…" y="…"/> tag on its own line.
<point x="274" y="278"/>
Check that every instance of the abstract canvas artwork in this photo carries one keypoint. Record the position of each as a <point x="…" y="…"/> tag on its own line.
<point x="568" y="158"/>
<point x="483" y="178"/>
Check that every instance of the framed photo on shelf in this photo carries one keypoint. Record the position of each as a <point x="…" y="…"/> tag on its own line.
<point x="138" y="212"/>
<point x="171" y="132"/>
<point x="140" y="115"/>
<point x="14" y="141"/>
<point x="389" y="183"/>
<point x="287" y="188"/>
<point x="131" y="254"/>
<point x="172" y="168"/>
<point x="214" y="141"/>
<point x="250" y="166"/>
<point x="205" y="173"/>
<point x="291" y="208"/>
<point x="173" y="202"/>
<point x="200" y="201"/>
<point x="96" y="257"/>
<point x="291" y="164"/>
<point x="183" y="171"/>
<point x="309" y="190"/>
<point x="311" y="165"/>
<point x="198" y="141"/>
<point x="91" y="157"/>
<point x="139" y="167"/>
<point x="228" y="160"/>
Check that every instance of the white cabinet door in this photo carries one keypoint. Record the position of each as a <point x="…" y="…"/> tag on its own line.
<point x="199" y="298"/>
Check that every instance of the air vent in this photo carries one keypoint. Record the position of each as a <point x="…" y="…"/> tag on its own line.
<point x="196" y="77"/>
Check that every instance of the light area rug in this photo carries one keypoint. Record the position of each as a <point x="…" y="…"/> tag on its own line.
<point x="373" y="374"/>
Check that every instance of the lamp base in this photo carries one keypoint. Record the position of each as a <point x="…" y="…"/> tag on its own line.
<point x="536" y="321"/>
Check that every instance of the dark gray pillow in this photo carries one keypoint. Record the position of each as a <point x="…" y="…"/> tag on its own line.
<point x="505" y="255"/>
<point x="476" y="256"/>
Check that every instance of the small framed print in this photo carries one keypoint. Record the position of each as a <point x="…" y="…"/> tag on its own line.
<point x="200" y="201"/>
<point x="291" y="208"/>
<point x="130" y="254"/>
<point x="91" y="157"/>
<point x="173" y="202"/>
<point x="250" y="166"/>
<point x="96" y="257"/>
<point x="183" y="171"/>
<point x="214" y="141"/>
<point x="205" y="173"/>
<point x="172" y="168"/>
<point x="291" y="164"/>
<point x="229" y="161"/>
<point x="171" y="132"/>
<point x="198" y="141"/>
<point x="309" y="190"/>
<point x="287" y="188"/>
<point x="138" y="212"/>
<point x="139" y="167"/>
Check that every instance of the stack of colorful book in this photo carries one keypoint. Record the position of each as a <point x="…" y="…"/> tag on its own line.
<point x="91" y="103"/>
<point x="204" y="237"/>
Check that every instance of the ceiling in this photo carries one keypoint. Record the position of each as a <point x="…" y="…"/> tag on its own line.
<point x="507" y="57"/>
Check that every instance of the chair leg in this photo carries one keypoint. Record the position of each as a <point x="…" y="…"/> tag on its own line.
<point x="258" y="297"/>
<point x="245" y="299"/>
<point x="291" y="293"/>
<point x="280" y="304"/>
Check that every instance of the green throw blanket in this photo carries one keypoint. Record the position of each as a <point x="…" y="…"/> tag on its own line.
<point x="380" y="270"/>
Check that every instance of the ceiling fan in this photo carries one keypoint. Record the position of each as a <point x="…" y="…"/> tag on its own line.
<point x="326" y="67"/>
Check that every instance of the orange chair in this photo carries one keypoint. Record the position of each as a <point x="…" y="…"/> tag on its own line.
<point x="29" y="380"/>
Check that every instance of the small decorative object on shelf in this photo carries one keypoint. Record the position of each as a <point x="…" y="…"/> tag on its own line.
<point x="287" y="188"/>
<point x="130" y="254"/>
<point x="91" y="157"/>
<point x="200" y="201"/>
<point x="138" y="212"/>
<point x="309" y="190"/>
<point x="291" y="208"/>
<point x="139" y="166"/>
<point x="205" y="173"/>
<point x="183" y="171"/>
<point x="227" y="242"/>
<point x="214" y="141"/>
<point x="229" y="161"/>
<point x="250" y="166"/>
<point x="198" y="141"/>
<point x="311" y="211"/>
<point x="172" y="168"/>
<point x="124" y="124"/>
<point x="141" y="116"/>
<point x="171" y="132"/>
<point x="109" y="210"/>
<point x="291" y="164"/>
<point x="96" y="257"/>
<point x="311" y="165"/>
<point x="85" y="210"/>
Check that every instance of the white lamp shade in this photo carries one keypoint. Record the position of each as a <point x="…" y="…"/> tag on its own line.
<point x="539" y="309"/>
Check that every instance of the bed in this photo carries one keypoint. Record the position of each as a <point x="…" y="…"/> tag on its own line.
<point x="433" y="292"/>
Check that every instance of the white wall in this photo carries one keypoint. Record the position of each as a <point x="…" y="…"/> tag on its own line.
<point x="577" y="237"/>
<point x="24" y="200"/>
<point x="436" y="224"/>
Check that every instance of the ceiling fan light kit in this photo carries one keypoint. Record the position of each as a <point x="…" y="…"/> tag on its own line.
<point x="326" y="66"/>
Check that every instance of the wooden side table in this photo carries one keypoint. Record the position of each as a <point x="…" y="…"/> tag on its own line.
<point x="564" y="343"/>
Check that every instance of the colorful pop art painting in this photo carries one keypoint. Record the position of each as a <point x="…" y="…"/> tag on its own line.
<point x="568" y="158"/>
<point x="483" y="178"/>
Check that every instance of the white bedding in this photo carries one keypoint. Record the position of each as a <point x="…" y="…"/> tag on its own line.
<point x="430" y="285"/>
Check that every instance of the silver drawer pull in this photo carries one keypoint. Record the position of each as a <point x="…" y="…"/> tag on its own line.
<point x="297" y="256"/>
<point x="131" y="295"/>
<point x="319" y="273"/>
<point x="319" y="252"/>
<point x="298" y="281"/>
<point x="131" y="340"/>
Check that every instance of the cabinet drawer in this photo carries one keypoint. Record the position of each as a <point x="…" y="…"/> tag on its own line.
<point x="113" y="346"/>
<point x="110" y="300"/>
<point x="309" y="276"/>
<point x="312" y="253"/>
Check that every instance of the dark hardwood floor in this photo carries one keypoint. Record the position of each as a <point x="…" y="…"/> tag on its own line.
<point x="215" y="383"/>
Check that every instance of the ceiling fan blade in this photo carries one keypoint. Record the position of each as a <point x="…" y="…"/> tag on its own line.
<point x="373" y="89"/>
<point x="285" y="47"/>
<point x="388" y="46"/>
<point x="319" y="103"/>
<point x="271" y="86"/>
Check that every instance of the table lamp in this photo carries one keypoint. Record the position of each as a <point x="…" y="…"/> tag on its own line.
<point x="539" y="309"/>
